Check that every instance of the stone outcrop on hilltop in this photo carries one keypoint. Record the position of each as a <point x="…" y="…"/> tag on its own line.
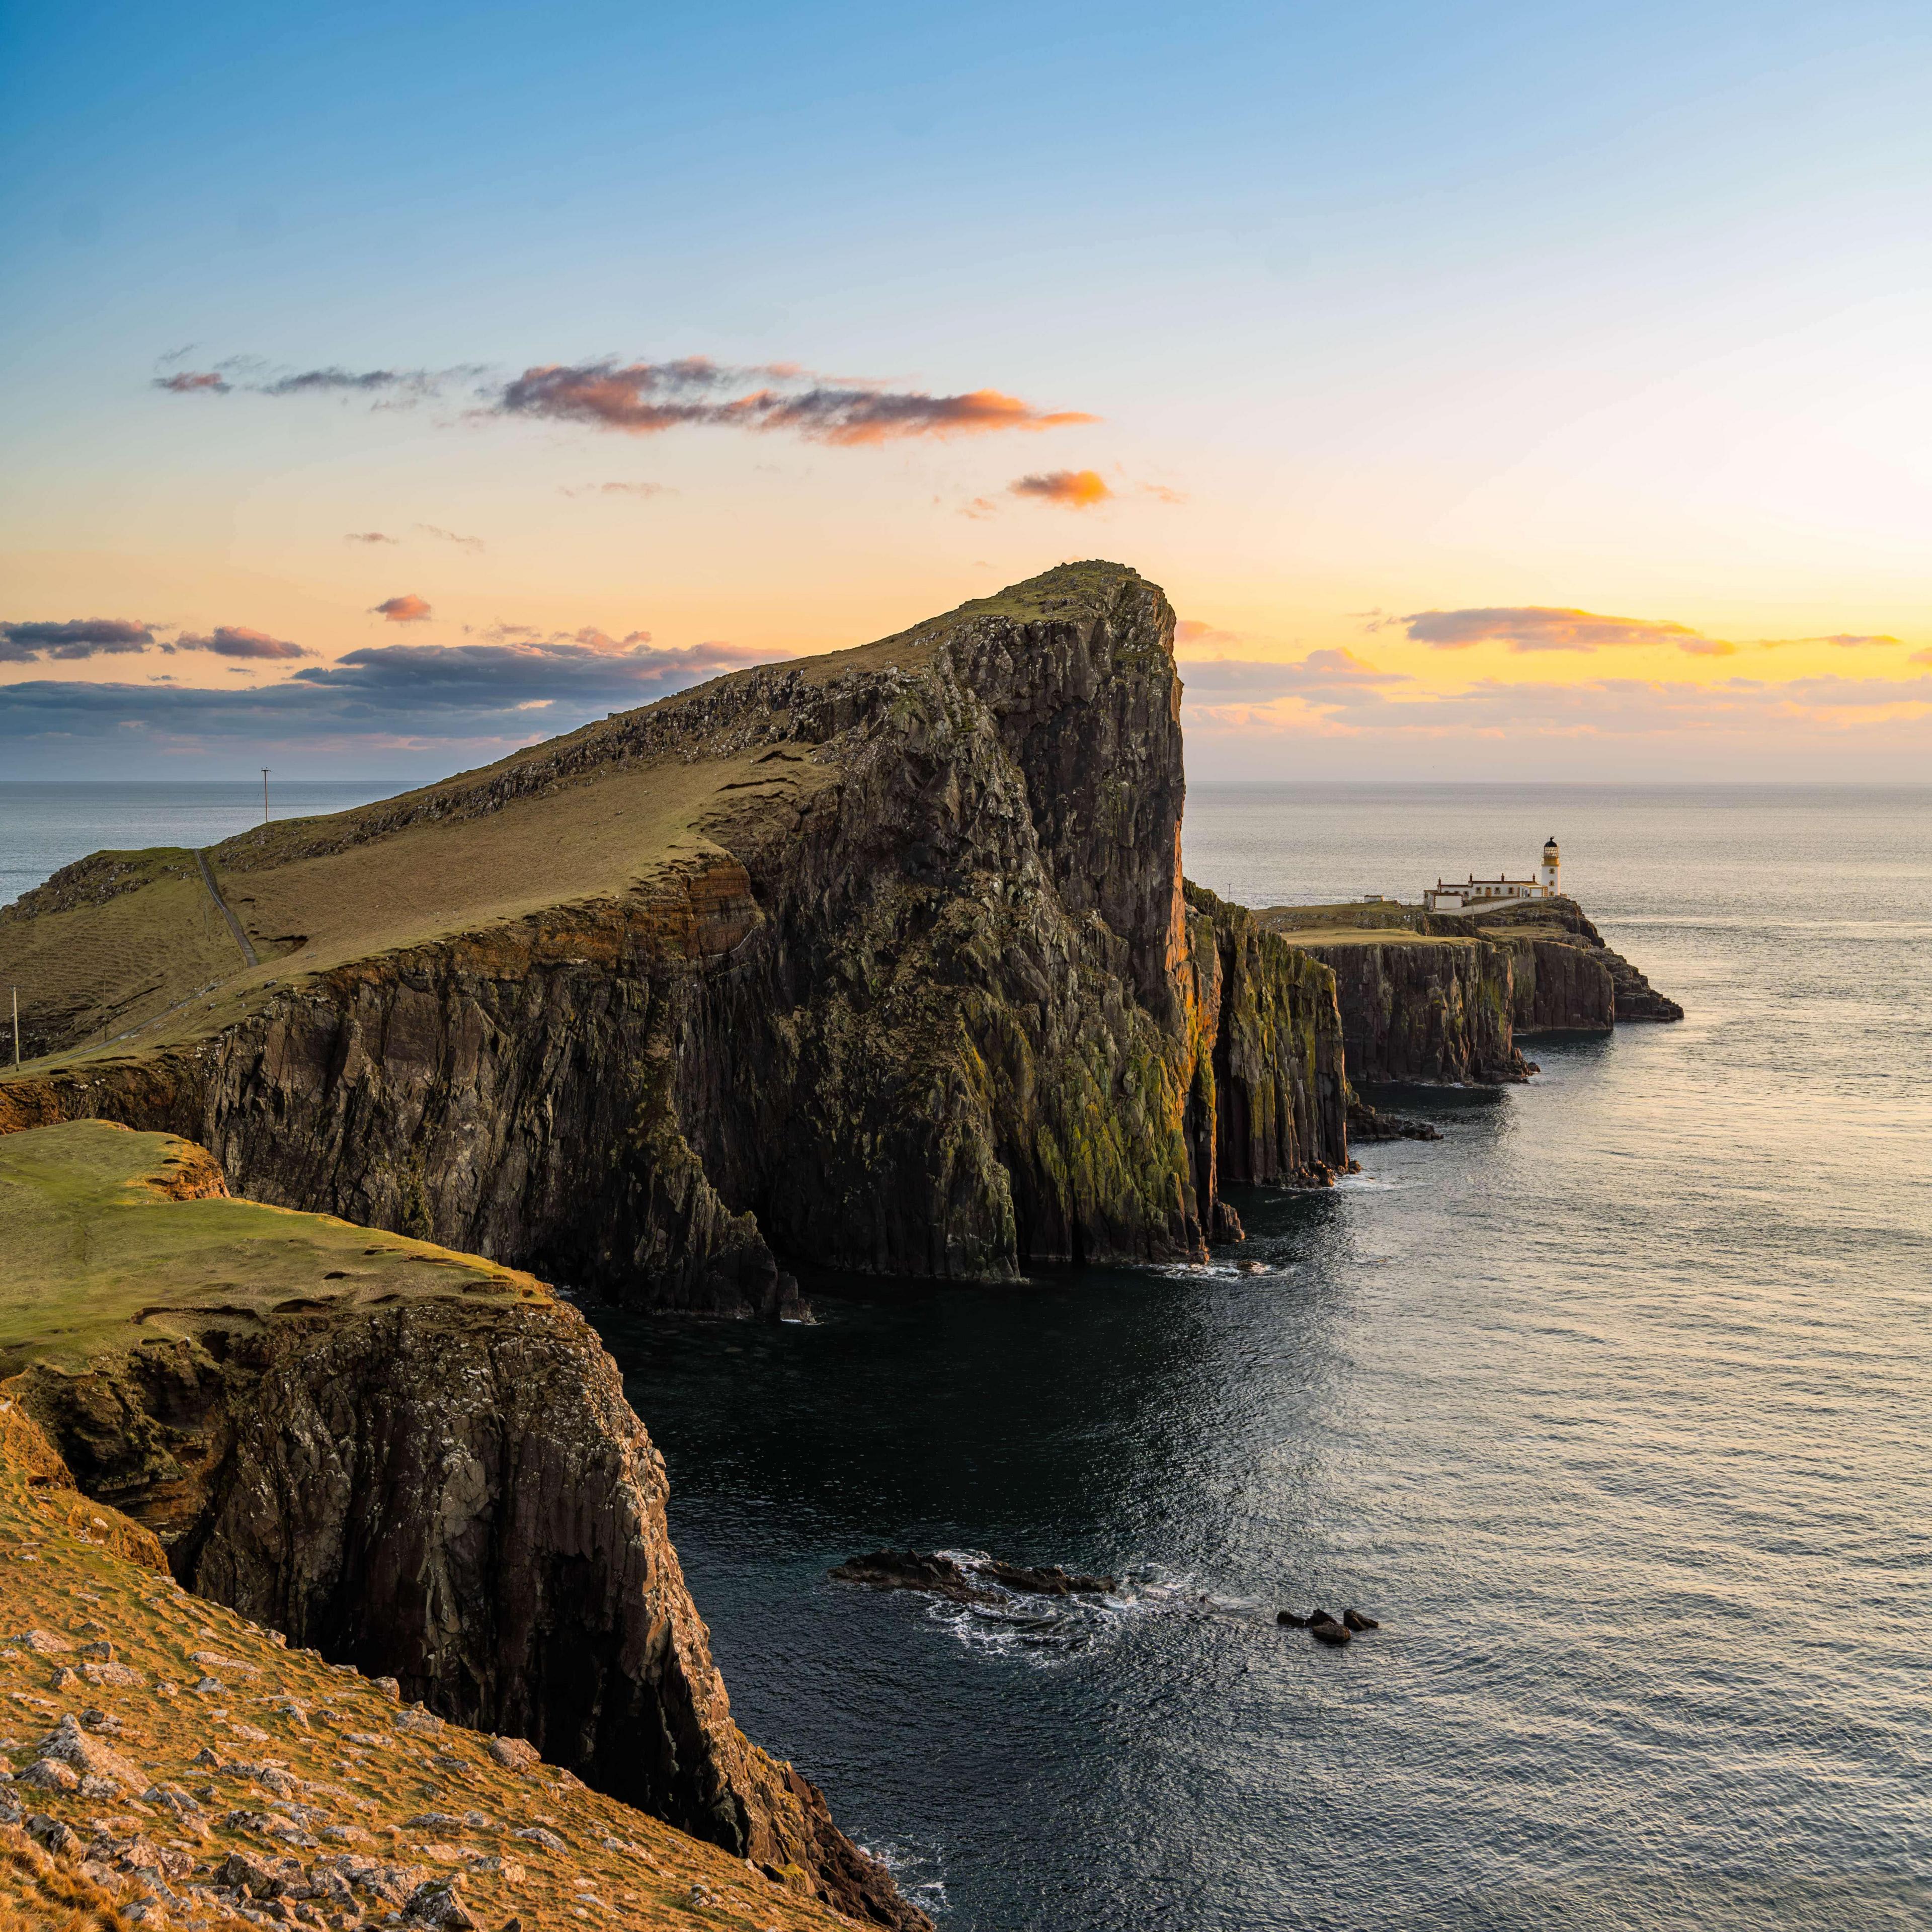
<point x="412" y="1461"/>
<point x="921" y="993"/>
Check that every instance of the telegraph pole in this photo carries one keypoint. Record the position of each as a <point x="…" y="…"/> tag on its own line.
<point x="17" y="1029"/>
<point x="265" y="794"/>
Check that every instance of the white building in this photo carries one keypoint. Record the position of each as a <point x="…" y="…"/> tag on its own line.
<point x="1477" y="895"/>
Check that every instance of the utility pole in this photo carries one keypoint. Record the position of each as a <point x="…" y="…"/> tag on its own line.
<point x="17" y="1029"/>
<point x="265" y="794"/>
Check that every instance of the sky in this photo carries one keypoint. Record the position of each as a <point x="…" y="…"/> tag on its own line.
<point x="1497" y="391"/>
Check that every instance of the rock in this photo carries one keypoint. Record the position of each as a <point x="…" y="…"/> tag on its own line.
<point x="1319" y="1615"/>
<point x="1290" y="1620"/>
<point x="435" y="1903"/>
<point x="536" y="1835"/>
<point x="51" y="1774"/>
<point x="515" y="1753"/>
<point x="52" y="1834"/>
<point x="101" y="1649"/>
<point x="944" y="1577"/>
<point x="43" y="1643"/>
<point x="1369" y="1123"/>
<point x="1355" y="1620"/>
<point x="1329" y="1632"/>
<point x="389" y="1687"/>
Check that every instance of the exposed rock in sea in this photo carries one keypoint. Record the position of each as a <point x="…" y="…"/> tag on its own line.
<point x="881" y="959"/>
<point x="413" y="1461"/>
<point x="970" y="1582"/>
<point x="1367" y="1123"/>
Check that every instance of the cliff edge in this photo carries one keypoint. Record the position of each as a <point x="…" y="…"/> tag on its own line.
<point x="416" y="1462"/>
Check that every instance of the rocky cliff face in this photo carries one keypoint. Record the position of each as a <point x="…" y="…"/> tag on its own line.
<point x="1425" y="1009"/>
<point x="924" y="997"/>
<point x="439" y="1483"/>
<point x="1568" y="979"/>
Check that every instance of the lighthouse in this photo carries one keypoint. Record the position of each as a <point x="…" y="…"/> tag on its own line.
<point x="1545" y="873"/>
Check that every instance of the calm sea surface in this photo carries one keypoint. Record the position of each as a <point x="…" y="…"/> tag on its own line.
<point x="1613" y="1406"/>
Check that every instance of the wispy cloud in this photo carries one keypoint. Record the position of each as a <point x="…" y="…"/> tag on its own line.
<point x="1314" y="678"/>
<point x="1074" y="489"/>
<point x="451" y="537"/>
<point x="236" y="640"/>
<point x="26" y="642"/>
<point x="369" y="537"/>
<point x="407" y="609"/>
<point x="646" y="398"/>
<point x="616" y="490"/>
<point x="1535" y="627"/>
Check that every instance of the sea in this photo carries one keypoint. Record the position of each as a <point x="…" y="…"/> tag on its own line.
<point x="1612" y="1406"/>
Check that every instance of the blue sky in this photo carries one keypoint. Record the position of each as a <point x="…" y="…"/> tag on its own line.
<point x="1381" y="309"/>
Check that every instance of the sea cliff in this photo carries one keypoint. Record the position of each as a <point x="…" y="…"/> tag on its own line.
<point x="415" y="1461"/>
<point x="881" y="960"/>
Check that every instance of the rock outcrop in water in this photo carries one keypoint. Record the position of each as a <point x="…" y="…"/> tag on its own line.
<point x="901" y="978"/>
<point x="1568" y="978"/>
<point x="975" y="1580"/>
<point x="410" y="1460"/>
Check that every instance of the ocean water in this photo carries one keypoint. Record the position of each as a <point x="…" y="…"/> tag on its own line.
<point x="1612" y="1405"/>
<point x="44" y="826"/>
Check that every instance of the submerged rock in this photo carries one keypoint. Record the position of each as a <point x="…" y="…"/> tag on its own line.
<point x="970" y="1583"/>
<point x="1355" y="1620"/>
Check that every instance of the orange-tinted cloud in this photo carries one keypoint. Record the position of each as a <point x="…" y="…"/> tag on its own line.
<point x="409" y="609"/>
<point x="1162" y="493"/>
<point x="1074" y="489"/>
<point x="368" y="537"/>
<point x="645" y="398"/>
<point x="237" y="641"/>
<point x="1851" y="640"/>
<point x="1190" y="633"/>
<point x="1536" y="627"/>
<point x="450" y="537"/>
<point x="189" y="381"/>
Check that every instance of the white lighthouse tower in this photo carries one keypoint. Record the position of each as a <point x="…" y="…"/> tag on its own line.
<point x="1545" y="873"/>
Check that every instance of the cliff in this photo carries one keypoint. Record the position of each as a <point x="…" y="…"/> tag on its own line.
<point x="416" y="1462"/>
<point x="880" y="960"/>
<point x="1440" y="996"/>
<point x="1434" y="1004"/>
<point x="174" y="1763"/>
<point x="1574" y="981"/>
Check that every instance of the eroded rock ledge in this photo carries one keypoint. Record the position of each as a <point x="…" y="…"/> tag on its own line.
<point x="413" y="1461"/>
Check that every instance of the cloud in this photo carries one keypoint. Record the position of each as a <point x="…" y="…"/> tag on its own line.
<point x="1316" y="676"/>
<point x="1074" y="489"/>
<point x="1163" y="493"/>
<point x="26" y="642"/>
<point x="1535" y="627"/>
<point x="234" y="641"/>
<point x="354" y="382"/>
<point x="588" y="637"/>
<point x="1326" y="700"/>
<point x="1190" y="631"/>
<point x="369" y="537"/>
<point x="451" y="537"/>
<point x="617" y="489"/>
<point x="460" y="703"/>
<point x="645" y="398"/>
<point x="408" y="609"/>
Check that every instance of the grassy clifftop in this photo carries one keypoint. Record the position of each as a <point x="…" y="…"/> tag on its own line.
<point x="115" y="1239"/>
